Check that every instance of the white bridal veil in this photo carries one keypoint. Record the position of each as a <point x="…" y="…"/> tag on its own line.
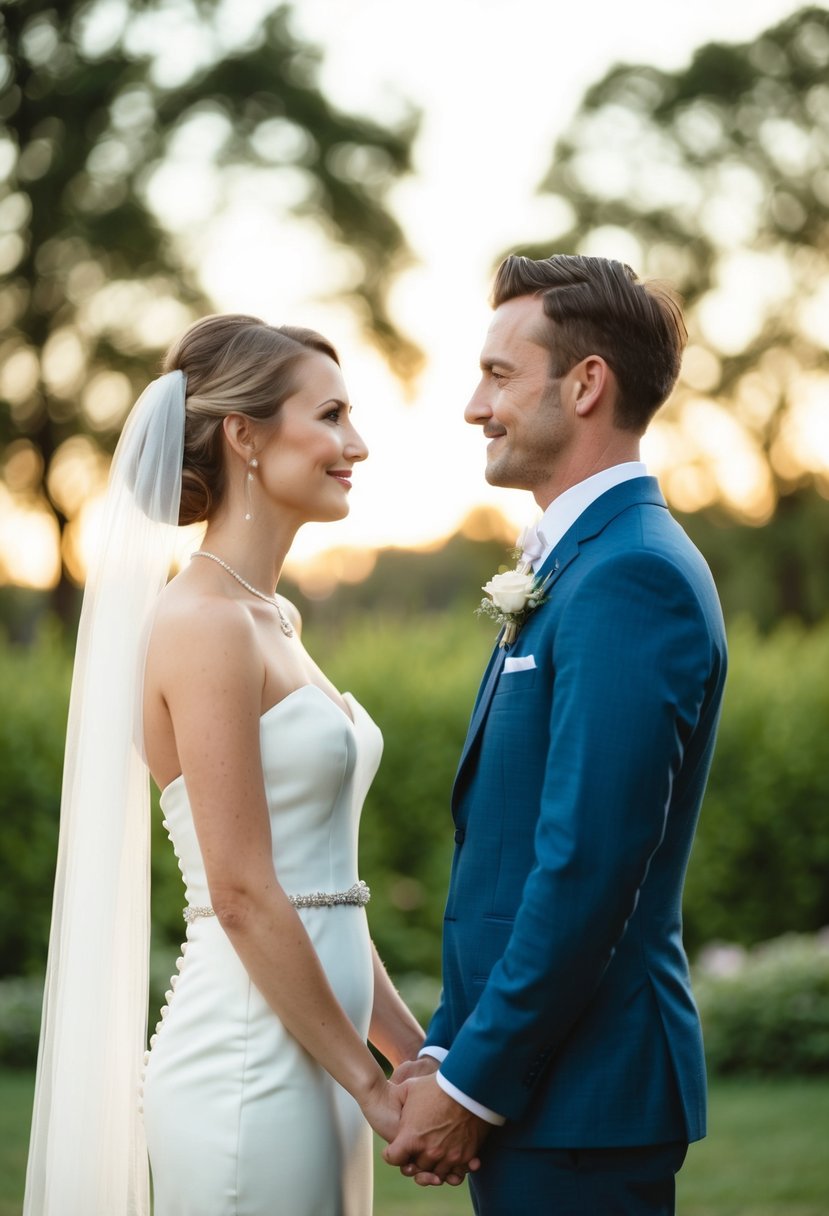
<point x="87" y="1155"/>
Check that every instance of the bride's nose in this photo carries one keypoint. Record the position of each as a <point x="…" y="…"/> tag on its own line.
<point x="355" y="449"/>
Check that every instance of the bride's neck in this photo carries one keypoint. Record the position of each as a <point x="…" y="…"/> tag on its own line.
<point x="253" y="548"/>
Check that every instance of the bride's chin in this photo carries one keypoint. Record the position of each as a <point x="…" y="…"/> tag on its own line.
<point x="331" y="515"/>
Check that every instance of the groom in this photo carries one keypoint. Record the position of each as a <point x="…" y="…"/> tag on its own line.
<point x="566" y="1051"/>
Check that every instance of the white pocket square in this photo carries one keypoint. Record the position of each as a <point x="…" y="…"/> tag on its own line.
<point x="524" y="662"/>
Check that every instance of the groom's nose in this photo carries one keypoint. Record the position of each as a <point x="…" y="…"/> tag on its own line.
<point x="478" y="409"/>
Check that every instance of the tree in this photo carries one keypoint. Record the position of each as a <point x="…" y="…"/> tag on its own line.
<point x="715" y="177"/>
<point x="93" y="284"/>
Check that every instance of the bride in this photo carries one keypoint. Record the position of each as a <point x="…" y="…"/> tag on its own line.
<point x="258" y="1093"/>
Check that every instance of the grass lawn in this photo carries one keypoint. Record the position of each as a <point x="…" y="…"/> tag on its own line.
<point x="15" y="1116"/>
<point x="767" y="1154"/>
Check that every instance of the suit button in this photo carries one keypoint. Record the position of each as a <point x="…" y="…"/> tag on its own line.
<point x="460" y="835"/>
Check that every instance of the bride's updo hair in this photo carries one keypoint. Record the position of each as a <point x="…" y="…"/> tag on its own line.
<point x="234" y="364"/>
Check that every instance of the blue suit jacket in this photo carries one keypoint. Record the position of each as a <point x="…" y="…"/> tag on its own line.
<point x="566" y="1003"/>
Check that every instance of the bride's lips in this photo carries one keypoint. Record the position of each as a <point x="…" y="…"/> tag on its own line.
<point x="343" y="476"/>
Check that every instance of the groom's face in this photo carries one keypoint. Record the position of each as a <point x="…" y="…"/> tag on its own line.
<point x="517" y="402"/>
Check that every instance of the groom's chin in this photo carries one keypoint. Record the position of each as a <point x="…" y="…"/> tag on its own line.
<point x="497" y="476"/>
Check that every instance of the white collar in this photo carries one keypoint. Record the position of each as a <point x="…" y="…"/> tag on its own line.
<point x="563" y="511"/>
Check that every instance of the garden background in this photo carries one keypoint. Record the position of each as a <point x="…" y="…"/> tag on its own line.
<point x="711" y="173"/>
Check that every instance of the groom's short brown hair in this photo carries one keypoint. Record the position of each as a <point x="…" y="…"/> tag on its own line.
<point x="600" y="307"/>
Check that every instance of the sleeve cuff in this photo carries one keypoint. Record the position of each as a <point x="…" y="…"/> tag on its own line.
<point x="483" y="1112"/>
<point x="437" y="1053"/>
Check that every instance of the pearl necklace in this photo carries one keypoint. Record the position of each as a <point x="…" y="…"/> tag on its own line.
<point x="287" y="627"/>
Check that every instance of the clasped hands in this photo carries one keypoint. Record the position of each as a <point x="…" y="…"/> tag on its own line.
<point x="437" y="1140"/>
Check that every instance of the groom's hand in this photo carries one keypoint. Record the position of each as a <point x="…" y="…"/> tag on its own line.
<point x="438" y="1139"/>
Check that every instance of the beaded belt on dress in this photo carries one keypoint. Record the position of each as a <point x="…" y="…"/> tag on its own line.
<point x="358" y="895"/>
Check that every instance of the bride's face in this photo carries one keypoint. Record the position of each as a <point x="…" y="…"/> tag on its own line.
<point x="305" y="462"/>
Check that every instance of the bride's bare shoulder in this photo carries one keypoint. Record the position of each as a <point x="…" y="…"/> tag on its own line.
<point x="190" y="614"/>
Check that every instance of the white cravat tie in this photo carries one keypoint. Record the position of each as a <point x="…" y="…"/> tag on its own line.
<point x="532" y="543"/>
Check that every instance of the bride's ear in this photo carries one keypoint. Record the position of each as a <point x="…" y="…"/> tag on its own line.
<point x="239" y="435"/>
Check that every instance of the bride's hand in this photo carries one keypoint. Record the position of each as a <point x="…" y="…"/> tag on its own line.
<point x="382" y="1108"/>
<point x="422" y="1067"/>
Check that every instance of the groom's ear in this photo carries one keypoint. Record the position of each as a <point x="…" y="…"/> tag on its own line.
<point x="240" y="435"/>
<point x="591" y="382"/>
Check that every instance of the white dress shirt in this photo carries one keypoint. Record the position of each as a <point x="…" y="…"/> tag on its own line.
<point x="563" y="511"/>
<point x="559" y="517"/>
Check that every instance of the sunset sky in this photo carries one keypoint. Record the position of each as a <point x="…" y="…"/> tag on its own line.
<point x="496" y="81"/>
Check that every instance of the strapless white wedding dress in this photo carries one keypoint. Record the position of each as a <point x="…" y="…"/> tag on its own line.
<point x="240" y="1120"/>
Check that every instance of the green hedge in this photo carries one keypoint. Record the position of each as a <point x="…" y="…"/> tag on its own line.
<point x="20" y="1007"/>
<point x="760" y="861"/>
<point x="761" y="856"/>
<point x="34" y="697"/>
<point x="770" y="1016"/>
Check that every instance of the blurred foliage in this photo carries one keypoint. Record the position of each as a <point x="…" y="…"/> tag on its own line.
<point x="406" y="582"/>
<point x="21" y="1000"/>
<point x="34" y="697"/>
<point x="93" y="284"/>
<point x="770" y="1017"/>
<point x="761" y="857"/>
<point x="777" y="572"/>
<point x="759" y="863"/>
<point x="768" y="574"/>
<point x="716" y="178"/>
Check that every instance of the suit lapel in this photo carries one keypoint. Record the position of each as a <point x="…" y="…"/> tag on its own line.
<point x="485" y="693"/>
<point x="549" y="573"/>
<point x="589" y="524"/>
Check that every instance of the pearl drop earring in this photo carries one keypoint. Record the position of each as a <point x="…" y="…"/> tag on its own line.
<point x="253" y="463"/>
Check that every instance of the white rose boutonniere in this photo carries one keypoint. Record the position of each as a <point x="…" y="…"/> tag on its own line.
<point x="512" y="597"/>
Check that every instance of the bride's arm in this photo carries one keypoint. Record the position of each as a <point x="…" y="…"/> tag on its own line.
<point x="394" y="1029"/>
<point x="213" y="689"/>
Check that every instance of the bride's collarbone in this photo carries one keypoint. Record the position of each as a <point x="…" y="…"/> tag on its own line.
<point x="284" y="673"/>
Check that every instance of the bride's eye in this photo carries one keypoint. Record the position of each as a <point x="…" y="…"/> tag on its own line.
<point x="334" y="414"/>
